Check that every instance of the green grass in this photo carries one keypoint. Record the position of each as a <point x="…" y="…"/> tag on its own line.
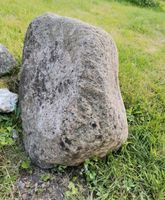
<point x="137" y="170"/>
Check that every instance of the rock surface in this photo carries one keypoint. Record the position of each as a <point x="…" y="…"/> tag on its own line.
<point x="70" y="99"/>
<point x="7" y="61"/>
<point x="8" y="101"/>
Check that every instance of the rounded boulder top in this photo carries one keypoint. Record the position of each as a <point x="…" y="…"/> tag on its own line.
<point x="7" y="61"/>
<point x="71" y="105"/>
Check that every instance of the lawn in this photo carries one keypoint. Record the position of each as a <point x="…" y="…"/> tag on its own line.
<point x="137" y="170"/>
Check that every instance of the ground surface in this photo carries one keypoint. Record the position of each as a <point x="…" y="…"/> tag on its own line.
<point x="137" y="170"/>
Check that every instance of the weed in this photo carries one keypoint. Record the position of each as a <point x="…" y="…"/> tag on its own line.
<point x="45" y="177"/>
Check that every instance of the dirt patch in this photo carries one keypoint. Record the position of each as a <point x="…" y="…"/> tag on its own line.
<point x="48" y="184"/>
<point x="32" y="187"/>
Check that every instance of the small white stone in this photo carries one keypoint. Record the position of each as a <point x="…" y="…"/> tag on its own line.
<point x="14" y="134"/>
<point x="8" y="101"/>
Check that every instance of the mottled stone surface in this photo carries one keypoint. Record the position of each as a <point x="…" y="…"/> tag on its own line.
<point x="69" y="92"/>
<point x="7" y="61"/>
<point x="8" y="101"/>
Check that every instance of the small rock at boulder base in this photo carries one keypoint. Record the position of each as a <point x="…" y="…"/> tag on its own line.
<point x="70" y="98"/>
<point x="7" y="61"/>
<point x="8" y="101"/>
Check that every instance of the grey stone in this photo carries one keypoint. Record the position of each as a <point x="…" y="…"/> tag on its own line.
<point x="7" y="61"/>
<point x="14" y="134"/>
<point x="8" y="101"/>
<point x="70" y="99"/>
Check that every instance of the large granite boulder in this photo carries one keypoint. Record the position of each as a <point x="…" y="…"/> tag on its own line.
<point x="70" y="99"/>
<point x="7" y="61"/>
